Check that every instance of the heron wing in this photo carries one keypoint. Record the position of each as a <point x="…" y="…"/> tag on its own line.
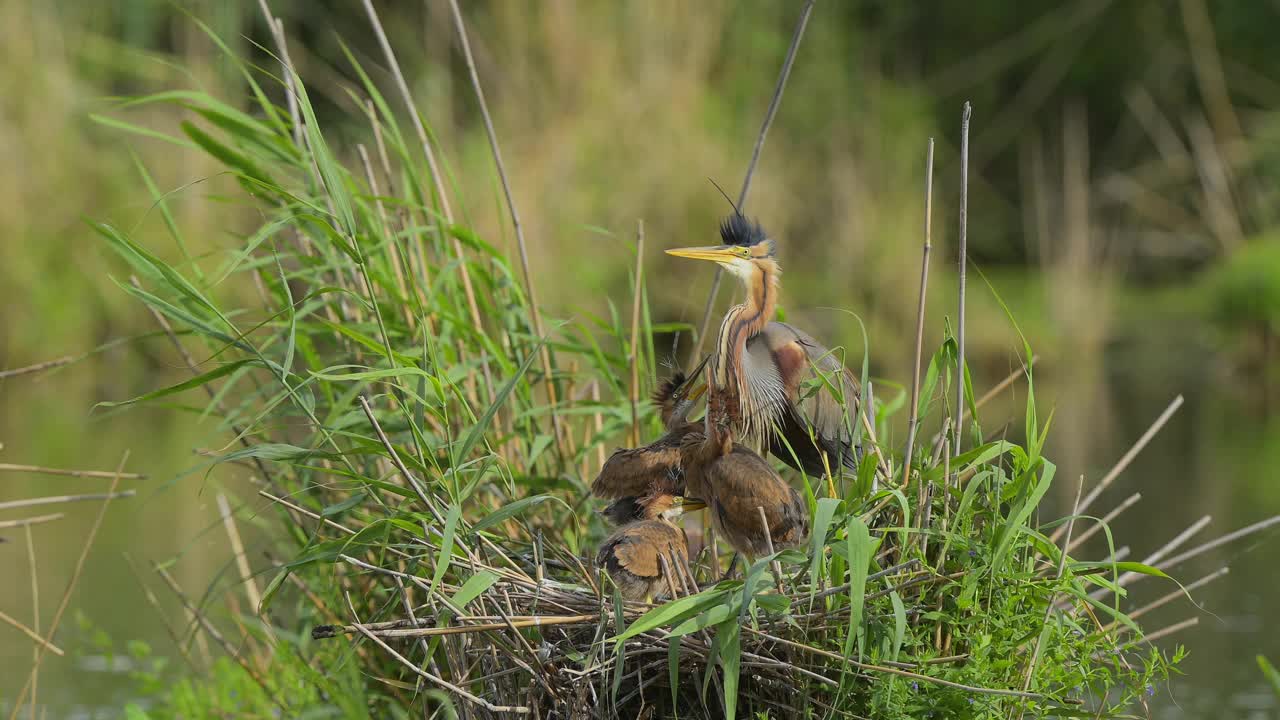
<point x="636" y="548"/>
<point x="634" y="471"/>
<point x="745" y="484"/>
<point x="796" y="363"/>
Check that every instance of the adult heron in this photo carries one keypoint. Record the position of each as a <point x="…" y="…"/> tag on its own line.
<point x="765" y="371"/>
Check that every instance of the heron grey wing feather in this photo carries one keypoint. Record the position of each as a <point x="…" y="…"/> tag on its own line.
<point x="819" y="409"/>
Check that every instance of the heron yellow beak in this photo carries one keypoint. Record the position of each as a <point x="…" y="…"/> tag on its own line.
<point x="714" y="253"/>
<point x="691" y="505"/>
<point x="698" y="392"/>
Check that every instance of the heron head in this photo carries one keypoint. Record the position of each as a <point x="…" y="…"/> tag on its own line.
<point x="744" y="248"/>
<point x="669" y="507"/>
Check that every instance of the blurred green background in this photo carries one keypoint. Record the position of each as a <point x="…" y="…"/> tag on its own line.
<point x="1125" y="158"/>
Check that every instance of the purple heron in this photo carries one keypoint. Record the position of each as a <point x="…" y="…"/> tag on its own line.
<point x="639" y="555"/>
<point x="762" y="369"/>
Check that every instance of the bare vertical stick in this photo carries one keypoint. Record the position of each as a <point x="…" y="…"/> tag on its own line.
<point x="35" y="613"/>
<point x="774" y="103"/>
<point x="635" y="333"/>
<point x="529" y="288"/>
<point x="768" y="543"/>
<point x="924" y="287"/>
<point x="964" y="252"/>
<point x="237" y="549"/>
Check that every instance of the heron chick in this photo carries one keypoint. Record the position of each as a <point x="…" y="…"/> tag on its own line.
<point x="639" y="555"/>
<point x="631" y="472"/>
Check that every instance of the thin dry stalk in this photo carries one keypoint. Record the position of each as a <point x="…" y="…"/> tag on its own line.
<point x="481" y="702"/>
<point x="1170" y="597"/>
<point x="963" y="258"/>
<point x="58" y="499"/>
<point x="237" y="549"/>
<point x="407" y="476"/>
<point x="634" y="359"/>
<point x="28" y="522"/>
<point x="774" y="103"/>
<point x="103" y="474"/>
<point x="914" y="418"/>
<point x="534" y="313"/>
<point x="1219" y="542"/>
<point x="397" y="263"/>
<point x="1167" y="631"/>
<point x="1125" y="460"/>
<point x="154" y="602"/>
<point x="38" y="367"/>
<point x="1105" y="521"/>
<point x="40" y="641"/>
<point x="213" y="632"/>
<point x="71" y="584"/>
<point x="35" y="611"/>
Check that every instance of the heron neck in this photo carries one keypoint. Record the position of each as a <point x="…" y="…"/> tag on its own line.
<point x="742" y="323"/>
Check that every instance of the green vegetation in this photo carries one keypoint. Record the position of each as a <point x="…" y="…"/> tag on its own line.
<point x="426" y="450"/>
<point x="298" y="288"/>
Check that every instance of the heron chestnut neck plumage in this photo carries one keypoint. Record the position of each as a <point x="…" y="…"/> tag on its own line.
<point x="639" y="555"/>
<point x="760" y="367"/>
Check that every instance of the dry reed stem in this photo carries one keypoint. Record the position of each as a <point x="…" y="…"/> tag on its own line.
<point x="217" y="636"/>
<point x="58" y="499"/>
<point x="159" y="611"/>
<point x="530" y="289"/>
<point x="963" y="258"/>
<point x="1167" y="631"/>
<point x="29" y="521"/>
<point x="914" y="418"/>
<point x="102" y="474"/>
<point x="634" y="358"/>
<point x="1218" y="542"/>
<point x="46" y="365"/>
<point x="1105" y="520"/>
<point x="1170" y="597"/>
<point x="237" y="550"/>
<point x="35" y="636"/>
<point x="1127" y="458"/>
<point x="71" y="584"/>
<point x="407" y="476"/>
<point x="35" y="611"/>
<point x="774" y="103"/>
<point x="440" y="681"/>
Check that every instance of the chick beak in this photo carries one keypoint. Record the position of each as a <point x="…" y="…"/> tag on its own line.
<point x="688" y="505"/>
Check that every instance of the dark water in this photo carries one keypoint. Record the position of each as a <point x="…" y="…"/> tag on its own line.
<point x="1217" y="457"/>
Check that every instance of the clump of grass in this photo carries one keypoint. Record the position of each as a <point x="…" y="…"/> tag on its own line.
<point x="428" y="450"/>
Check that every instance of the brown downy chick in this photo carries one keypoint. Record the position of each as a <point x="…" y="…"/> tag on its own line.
<point x="630" y="472"/>
<point x="734" y="481"/>
<point x="631" y="555"/>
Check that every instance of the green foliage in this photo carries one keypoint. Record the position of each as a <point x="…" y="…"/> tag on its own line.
<point x="1246" y="286"/>
<point x="456" y="493"/>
